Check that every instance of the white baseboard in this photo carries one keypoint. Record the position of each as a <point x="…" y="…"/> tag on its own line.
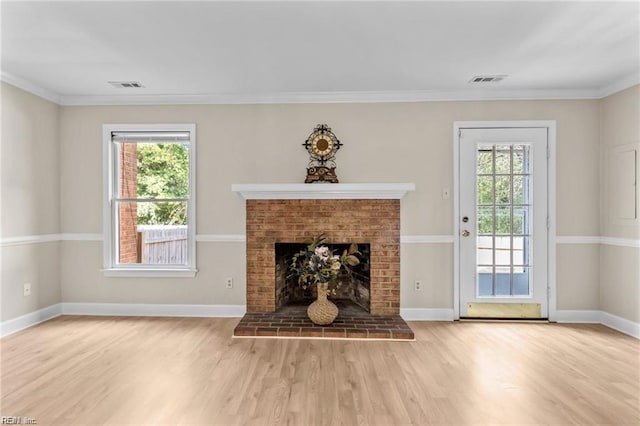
<point x="153" y="310"/>
<point x="621" y="324"/>
<point x="29" y="320"/>
<point x="125" y="309"/>
<point x="600" y="317"/>
<point x="562" y="316"/>
<point x="236" y="311"/>
<point x="574" y="316"/>
<point x="424" y="314"/>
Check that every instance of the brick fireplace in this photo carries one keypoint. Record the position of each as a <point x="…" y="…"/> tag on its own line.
<point x="376" y="222"/>
<point x="356" y="213"/>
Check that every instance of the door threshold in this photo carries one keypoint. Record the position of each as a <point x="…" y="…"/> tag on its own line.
<point x="519" y="320"/>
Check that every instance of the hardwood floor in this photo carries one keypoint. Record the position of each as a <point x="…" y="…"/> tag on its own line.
<point x="136" y="371"/>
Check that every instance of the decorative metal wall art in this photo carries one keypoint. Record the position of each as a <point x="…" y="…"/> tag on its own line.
<point x="322" y="145"/>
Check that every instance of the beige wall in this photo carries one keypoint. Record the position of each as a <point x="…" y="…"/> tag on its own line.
<point x="84" y="282"/>
<point x="578" y="276"/>
<point x="30" y="185"/>
<point x="619" y="266"/>
<point x="620" y="126"/>
<point x="51" y="160"/>
<point x="620" y="281"/>
<point x="395" y="142"/>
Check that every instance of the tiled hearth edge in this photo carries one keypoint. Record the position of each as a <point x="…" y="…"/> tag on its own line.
<point x="237" y="311"/>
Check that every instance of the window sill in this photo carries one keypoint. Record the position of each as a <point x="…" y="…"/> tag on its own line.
<point x="149" y="273"/>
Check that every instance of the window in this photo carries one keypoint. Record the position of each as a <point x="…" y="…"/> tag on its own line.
<point x="149" y="200"/>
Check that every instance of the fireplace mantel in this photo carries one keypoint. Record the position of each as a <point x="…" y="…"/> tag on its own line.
<point x="322" y="191"/>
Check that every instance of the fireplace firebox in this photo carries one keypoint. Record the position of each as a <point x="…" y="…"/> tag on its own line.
<point x="353" y="285"/>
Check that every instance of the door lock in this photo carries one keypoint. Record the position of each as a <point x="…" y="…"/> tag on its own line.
<point x="466" y="233"/>
<point x="465" y="219"/>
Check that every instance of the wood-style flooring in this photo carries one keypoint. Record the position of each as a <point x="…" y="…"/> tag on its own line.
<point x="182" y="371"/>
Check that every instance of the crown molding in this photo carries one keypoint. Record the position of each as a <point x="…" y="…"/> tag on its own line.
<point x="30" y="87"/>
<point x="621" y="84"/>
<point x="392" y="96"/>
<point x="333" y="97"/>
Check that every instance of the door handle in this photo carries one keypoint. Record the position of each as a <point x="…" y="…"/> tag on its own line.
<point x="466" y="233"/>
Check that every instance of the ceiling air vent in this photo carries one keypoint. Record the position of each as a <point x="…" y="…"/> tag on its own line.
<point x="487" y="78"/>
<point x="125" y="84"/>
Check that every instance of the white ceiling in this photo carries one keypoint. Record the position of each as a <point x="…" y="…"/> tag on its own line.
<point x="318" y="51"/>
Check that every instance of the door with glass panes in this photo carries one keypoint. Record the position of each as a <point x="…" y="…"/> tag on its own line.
<point x="503" y="223"/>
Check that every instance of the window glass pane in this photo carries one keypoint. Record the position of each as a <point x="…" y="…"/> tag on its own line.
<point x="520" y="189"/>
<point x="162" y="213"/>
<point x="503" y="281"/>
<point x="153" y="170"/>
<point x="484" y="250"/>
<point x="521" y="220"/>
<point x="503" y="162"/>
<point x="127" y="170"/>
<point x="520" y="159"/>
<point x="503" y="219"/>
<point x="521" y="281"/>
<point x="163" y="170"/>
<point x="485" y="190"/>
<point x="503" y="250"/>
<point x="485" y="162"/>
<point x="485" y="281"/>
<point x="519" y="250"/>
<point x="153" y="233"/>
<point x="485" y="220"/>
<point x="522" y="250"/>
<point x="128" y="250"/>
<point x="503" y="190"/>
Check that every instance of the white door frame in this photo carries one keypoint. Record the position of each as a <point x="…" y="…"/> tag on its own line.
<point x="550" y="125"/>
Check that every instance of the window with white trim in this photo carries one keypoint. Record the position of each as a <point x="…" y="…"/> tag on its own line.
<point x="149" y="200"/>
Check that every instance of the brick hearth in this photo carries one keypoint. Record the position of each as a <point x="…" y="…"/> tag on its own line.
<point x="292" y="321"/>
<point x="342" y="221"/>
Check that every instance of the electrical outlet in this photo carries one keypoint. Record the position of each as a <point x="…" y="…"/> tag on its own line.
<point x="229" y="283"/>
<point x="417" y="285"/>
<point x="26" y="288"/>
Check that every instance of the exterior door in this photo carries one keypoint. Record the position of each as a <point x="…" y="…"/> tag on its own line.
<point x="503" y="223"/>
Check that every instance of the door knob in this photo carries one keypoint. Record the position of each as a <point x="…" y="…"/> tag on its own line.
<point x="465" y="233"/>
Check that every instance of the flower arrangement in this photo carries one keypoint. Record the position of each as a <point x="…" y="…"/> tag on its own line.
<point x="317" y="264"/>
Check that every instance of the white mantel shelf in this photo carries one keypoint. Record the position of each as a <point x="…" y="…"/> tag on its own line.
<point x="322" y="191"/>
